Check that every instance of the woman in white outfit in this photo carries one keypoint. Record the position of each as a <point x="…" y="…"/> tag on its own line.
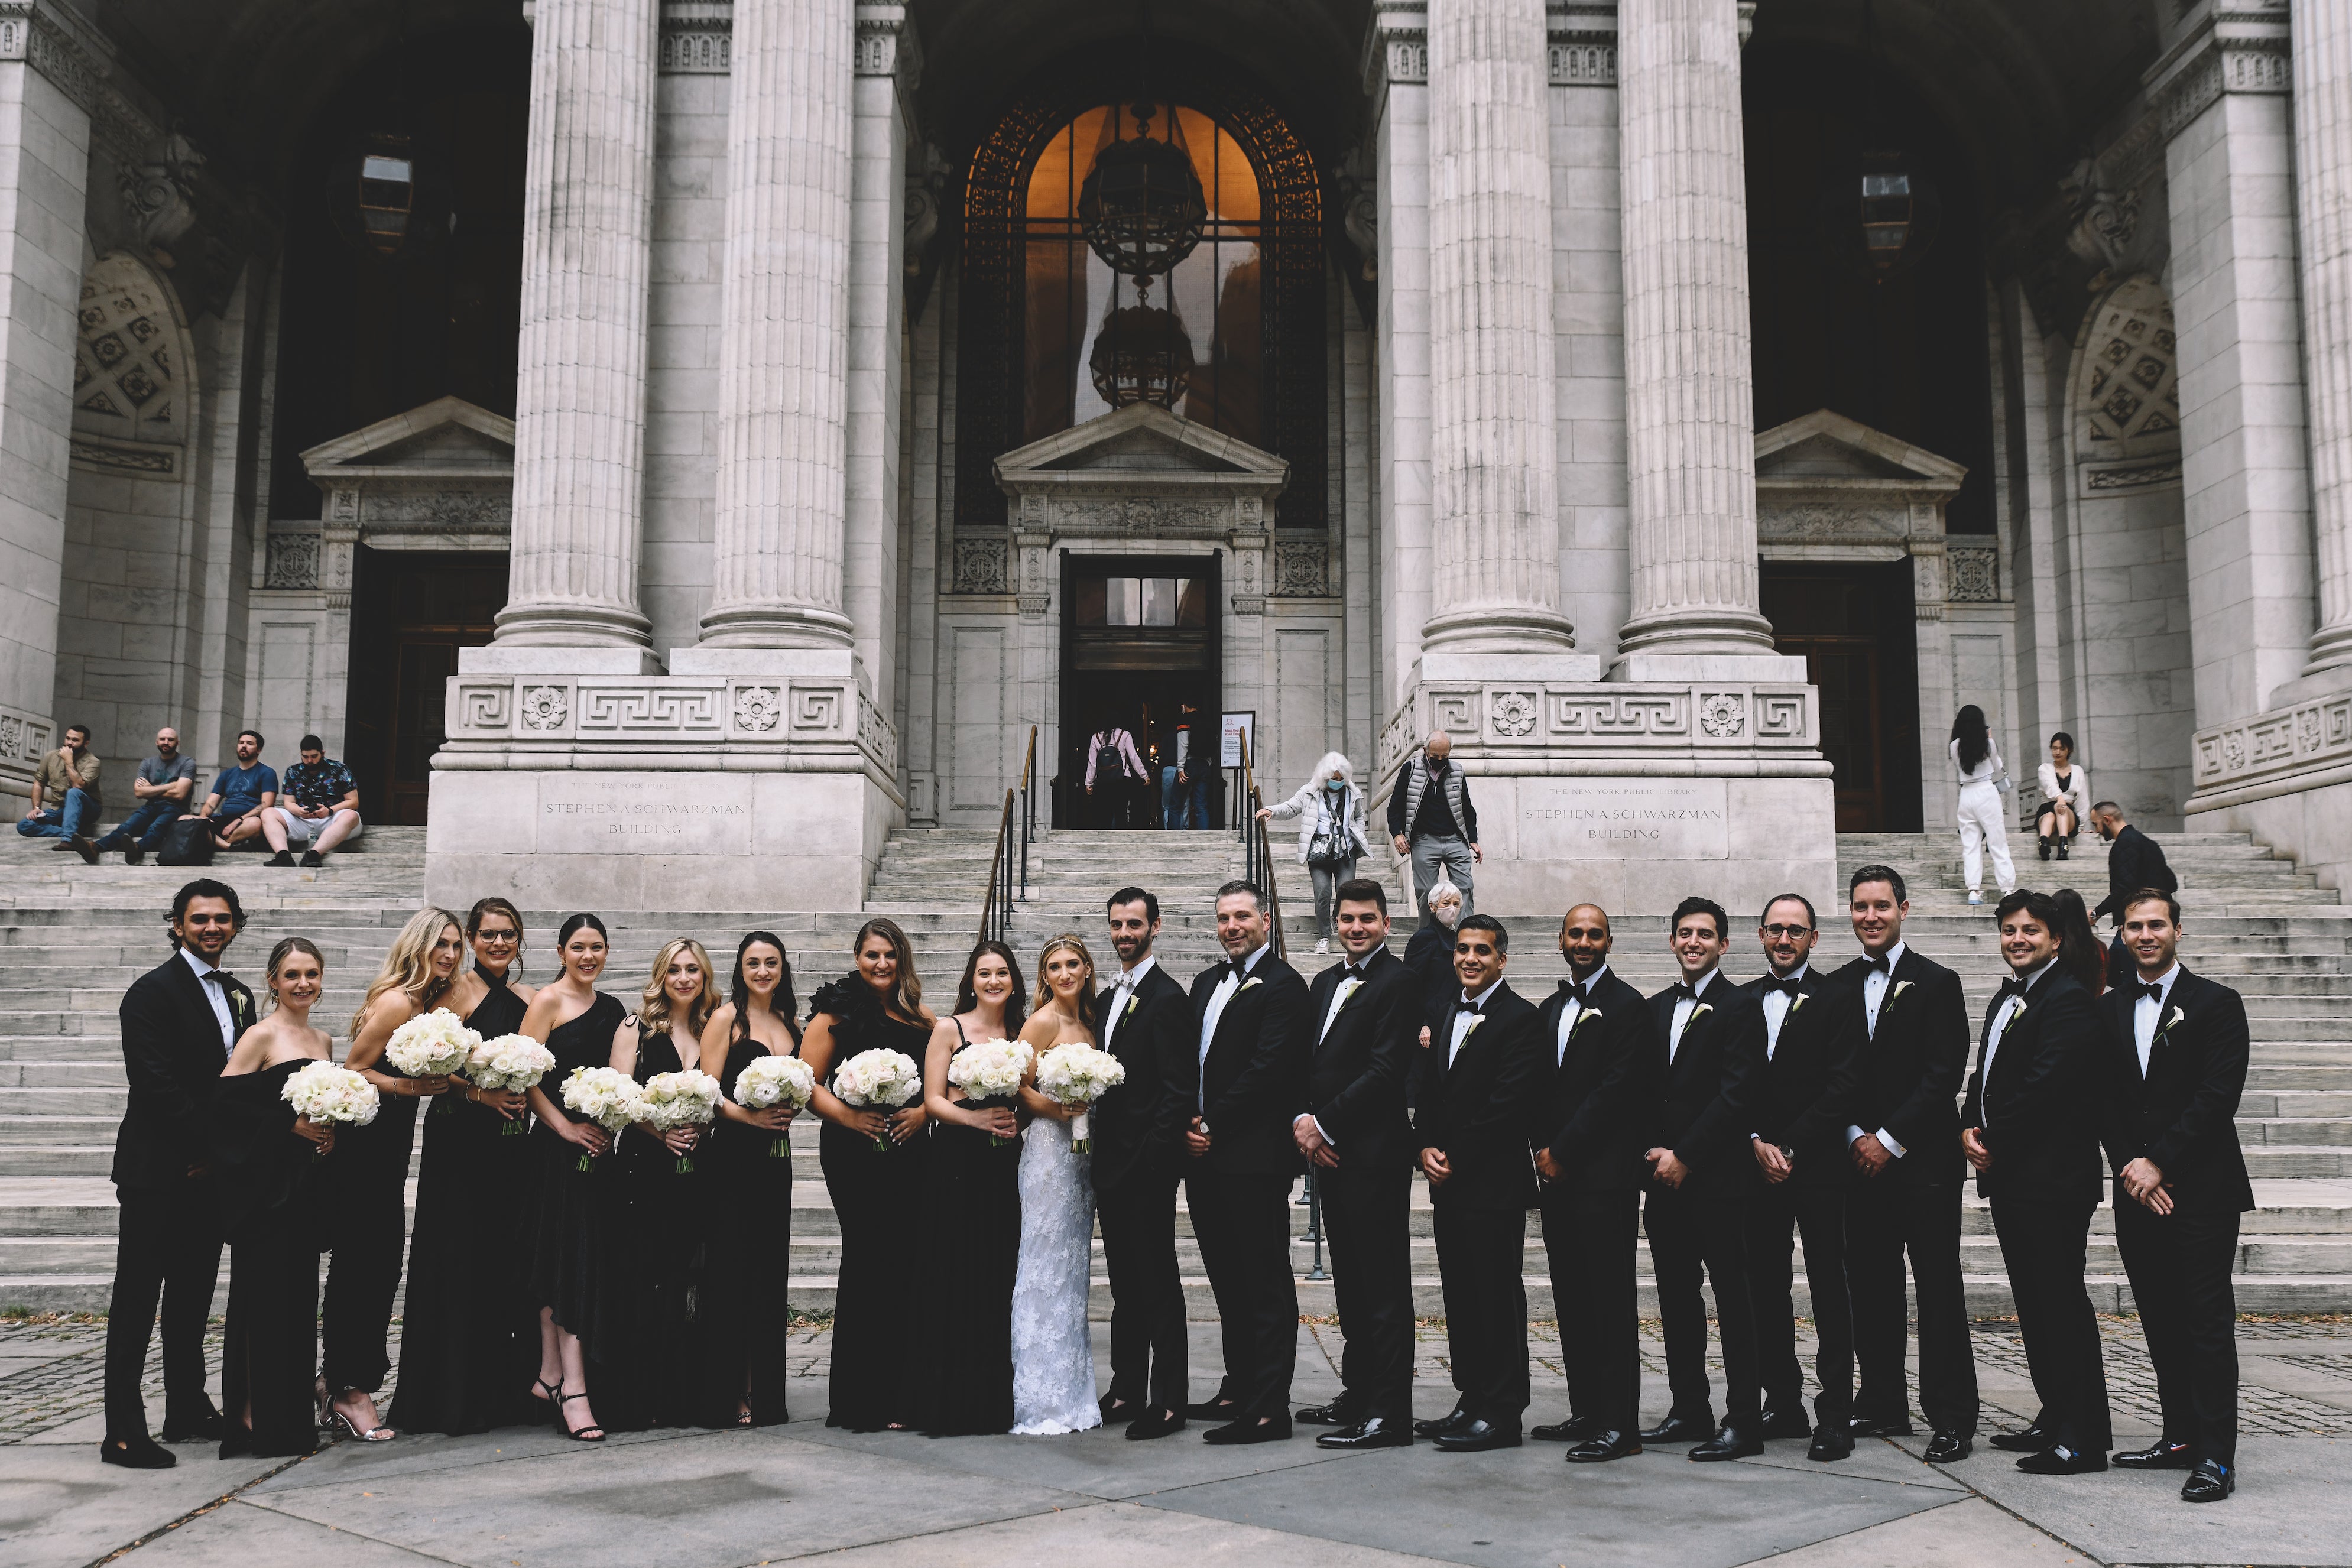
<point x="1982" y="776"/>
<point x="1330" y="813"/>
<point x="2065" y="798"/>
<point x="1053" y="1350"/>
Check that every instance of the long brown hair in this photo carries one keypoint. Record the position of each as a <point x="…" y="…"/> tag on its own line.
<point x="1086" y="987"/>
<point x="968" y="994"/>
<point x="906" y="990"/>
<point x="483" y="906"/>
<point x="655" y="1014"/>
<point x="287" y="948"/>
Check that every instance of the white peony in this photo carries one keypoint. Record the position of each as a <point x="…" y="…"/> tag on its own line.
<point x="513" y="1064"/>
<point x="989" y="1070"/>
<point x="1077" y="1074"/>
<point x="880" y="1078"/>
<point x="610" y="1099"/>
<point x="674" y="1100"/>
<point x="431" y="1044"/>
<point x="776" y="1080"/>
<point x="332" y="1095"/>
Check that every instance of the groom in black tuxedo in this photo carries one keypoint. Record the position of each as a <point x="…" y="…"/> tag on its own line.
<point x="2179" y="1049"/>
<point x="1144" y="1019"/>
<point x="1252" y="1034"/>
<point x="1471" y="1121"/>
<point x="1367" y="1015"/>
<point x="179" y="1023"/>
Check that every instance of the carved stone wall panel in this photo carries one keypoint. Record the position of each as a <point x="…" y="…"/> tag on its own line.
<point x="648" y="710"/>
<point x="1302" y="568"/>
<point x="2277" y="744"/>
<point x="1975" y="572"/>
<point x="980" y="566"/>
<point x="293" y="560"/>
<point x="769" y="723"/>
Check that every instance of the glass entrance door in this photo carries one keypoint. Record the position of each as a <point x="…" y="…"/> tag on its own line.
<point x="1139" y="683"/>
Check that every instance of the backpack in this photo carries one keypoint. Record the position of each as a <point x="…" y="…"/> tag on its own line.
<point x="187" y="841"/>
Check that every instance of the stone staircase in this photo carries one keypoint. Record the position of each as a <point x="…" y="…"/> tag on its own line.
<point x="71" y="938"/>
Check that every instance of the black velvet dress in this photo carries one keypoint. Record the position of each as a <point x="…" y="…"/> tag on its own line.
<point x="971" y="1253"/>
<point x="747" y="1266"/>
<point x="642" y="1352"/>
<point x="567" y="1245"/>
<point x="267" y="1180"/>
<point x="469" y="1335"/>
<point x="879" y="1198"/>
<point x="366" y="1193"/>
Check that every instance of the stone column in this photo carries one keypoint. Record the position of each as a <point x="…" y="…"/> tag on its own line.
<point x="1690" y="440"/>
<point x="2322" y="35"/>
<point x="580" y="419"/>
<point x="783" y="356"/>
<point x="50" y="62"/>
<point x="1396" y="82"/>
<point x="1494" y="444"/>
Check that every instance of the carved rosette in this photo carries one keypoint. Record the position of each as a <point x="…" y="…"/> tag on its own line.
<point x="544" y="707"/>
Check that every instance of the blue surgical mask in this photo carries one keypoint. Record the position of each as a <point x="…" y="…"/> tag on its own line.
<point x="1335" y="783"/>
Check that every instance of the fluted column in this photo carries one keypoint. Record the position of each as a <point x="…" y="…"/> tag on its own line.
<point x="783" y="356"/>
<point x="2321" y="36"/>
<point x="1493" y="445"/>
<point x="580" y="399"/>
<point x="1690" y="418"/>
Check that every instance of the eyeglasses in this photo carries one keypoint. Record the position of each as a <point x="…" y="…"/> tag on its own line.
<point x="1782" y="933"/>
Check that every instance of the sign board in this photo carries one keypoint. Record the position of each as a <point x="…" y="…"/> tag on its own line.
<point x="1236" y="726"/>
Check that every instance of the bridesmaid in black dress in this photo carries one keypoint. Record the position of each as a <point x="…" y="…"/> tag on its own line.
<point x="653" y="1243"/>
<point x="971" y="1247"/>
<point x="367" y="1182"/>
<point x="575" y="1020"/>
<point x="264" y="1161"/>
<point x="469" y="1335"/>
<point x="877" y="1195"/>
<point x="748" y="1194"/>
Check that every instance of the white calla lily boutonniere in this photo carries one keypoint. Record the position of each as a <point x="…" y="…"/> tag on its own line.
<point x="236" y="1001"/>
<point x="1348" y="990"/>
<point x="1797" y="1002"/>
<point x="1699" y="1012"/>
<point x="1253" y="981"/>
<point x="1475" y="1019"/>
<point x="2166" y="1028"/>
<point x="1586" y="1017"/>
<point x="1133" y="1002"/>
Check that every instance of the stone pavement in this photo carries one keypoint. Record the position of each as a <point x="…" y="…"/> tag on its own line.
<point x="525" y="1497"/>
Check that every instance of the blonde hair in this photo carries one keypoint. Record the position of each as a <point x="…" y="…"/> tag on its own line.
<point x="286" y="948"/>
<point x="653" y="1003"/>
<point x="1085" y="987"/>
<point x="408" y="966"/>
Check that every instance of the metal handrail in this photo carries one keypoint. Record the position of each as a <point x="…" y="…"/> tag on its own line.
<point x="1258" y="852"/>
<point x="1003" y="876"/>
<point x="1028" y="806"/>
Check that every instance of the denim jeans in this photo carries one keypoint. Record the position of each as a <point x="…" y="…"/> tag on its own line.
<point x="71" y="820"/>
<point x="1184" y="805"/>
<point x="144" y="826"/>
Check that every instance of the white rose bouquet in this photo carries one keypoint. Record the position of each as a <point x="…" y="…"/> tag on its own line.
<point x="882" y="1079"/>
<point x="775" y="1080"/>
<point x="431" y="1045"/>
<point x="511" y="1064"/>
<point x="674" y="1100"/>
<point x="1076" y="1074"/>
<point x="989" y="1070"/>
<point x="331" y="1096"/>
<point x="610" y="1099"/>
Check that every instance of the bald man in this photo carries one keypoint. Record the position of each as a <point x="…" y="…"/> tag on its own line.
<point x="1601" y="1082"/>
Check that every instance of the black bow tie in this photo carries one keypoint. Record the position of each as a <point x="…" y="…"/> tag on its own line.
<point x="1571" y="988"/>
<point x="1688" y="993"/>
<point x="1470" y="1008"/>
<point x="1881" y="963"/>
<point x="1233" y="969"/>
<point x="1787" y="986"/>
<point x="2014" y="987"/>
<point x="2152" y="989"/>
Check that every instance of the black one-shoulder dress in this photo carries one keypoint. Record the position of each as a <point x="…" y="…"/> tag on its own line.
<point x="469" y="1330"/>
<point x="878" y="1198"/>
<point x="643" y="1351"/>
<point x="747" y="1262"/>
<point x="266" y="1181"/>
<point x="567" y="1253"/>
<point x="366" y="1193"/>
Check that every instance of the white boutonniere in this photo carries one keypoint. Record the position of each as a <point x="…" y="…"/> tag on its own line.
<point x="1247" y="984"/>
<point x="1797" y="1002"/>
<point x="1348" y="990"/>
<point x="1698" y="1013"/>
<point x="2166" y="1028"/>
<point x="236" y="1002"/>
<point x="1475" y="1019"/>
<point x="1586" y="1017"/>
<point x="1900" y="986"/>
<point x="1132" y="1003"/>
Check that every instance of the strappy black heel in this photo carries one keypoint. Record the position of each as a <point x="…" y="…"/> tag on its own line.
<point x="550" y="1394"/>
<point x="581" y="1436"/>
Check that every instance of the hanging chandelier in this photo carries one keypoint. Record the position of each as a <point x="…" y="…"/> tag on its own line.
<point x="1141" y="355"/>
<point x="1142" y="209"/>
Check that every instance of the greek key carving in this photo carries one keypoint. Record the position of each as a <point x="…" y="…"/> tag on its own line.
<point x="660" y="710"/>
<point x="818" y="709"/>
<point x="486" y="706"/>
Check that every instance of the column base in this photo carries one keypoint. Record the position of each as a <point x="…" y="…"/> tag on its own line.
<point x="775" y="626"/>
<point x="1506" y="630"/>
<point x="572" y="626"/>
<point x="1702" y="634"/>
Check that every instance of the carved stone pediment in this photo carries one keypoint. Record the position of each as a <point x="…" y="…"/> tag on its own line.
<point x="1832" y="488"/>
<point x="1139" y="440"/>
<point x="437" y="477"/>
<point x="1827" y="451"/>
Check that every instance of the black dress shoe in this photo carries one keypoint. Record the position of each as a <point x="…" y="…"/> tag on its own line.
<point x="1831" y="1445"/>
<point x="2210" y="1482"/>
<point x="1217" y="1409"/>
<point x="1784" y="1424"/>
<point x="1114" y="1408"/>
<point x="1158" y="1422"/>
<point x="1872" y="1427"/>
<point x="1372" y="1432"/>
<point x="1438" y="1425"/>
<point x="1949" y="1447"/>
<point x="86" y="848"/>
<point x="2058" y="1459"/>
<point x="1340" y="1412"/>
<point x="134" y="855"/>
<point x="140" y="1453"/>
<point x="1603" y="1447"/>
<point x="1678" y="1429"/>
<point x="1266" y="1429"/>
<point x="2158" y="1456"/>
<point x="209" y="1427"/>
<point x="1574" y="1430"/>
<point x="1478" y="1434"/>
<point x="1735" y="1440"/>
<point x="2032" y="1440"/>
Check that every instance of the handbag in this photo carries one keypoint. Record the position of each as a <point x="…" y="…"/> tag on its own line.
<point x="1323" y="853"/>
<point x="187" y="841"/>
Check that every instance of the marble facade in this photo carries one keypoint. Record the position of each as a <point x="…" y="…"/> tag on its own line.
<point x="738" y="574"/>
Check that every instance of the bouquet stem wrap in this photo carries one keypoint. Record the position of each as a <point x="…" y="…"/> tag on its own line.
<point x="1077" y="1074"/>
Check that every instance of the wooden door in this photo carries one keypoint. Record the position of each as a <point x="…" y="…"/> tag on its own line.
<point x="411" y="611"/>
<point x="1853" y="625"/>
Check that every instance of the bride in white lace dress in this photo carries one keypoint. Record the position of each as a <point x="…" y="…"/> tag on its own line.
<point x="1053" y="1351"/>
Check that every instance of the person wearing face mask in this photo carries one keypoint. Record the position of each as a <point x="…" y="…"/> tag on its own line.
<point x="1330" y="813"/>
<point x="1430" y="951"/>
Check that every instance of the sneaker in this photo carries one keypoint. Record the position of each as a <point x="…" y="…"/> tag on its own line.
<point x="1975" y="897"/>
<point x="281" y="858"/>
<point x="313" y="858"/>
<point x="1323" y="945"/>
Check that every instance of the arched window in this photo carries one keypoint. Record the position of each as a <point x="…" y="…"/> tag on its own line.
<point x="1201" y="322"/>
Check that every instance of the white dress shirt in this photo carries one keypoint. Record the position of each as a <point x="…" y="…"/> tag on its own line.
<point x="1776" y="1009"/>
<point x="1462" y="1020"/>
<point x="1874" y="995"/>
<point x="216" y="993"/>
<point x="1349" y="970"/>
<point x="1122" y="991"/>
<point x="1684" y="1007"/>
<point x="1570" y="1015"/>
<point x="2010" y="1006"/>
<point x="1226" y="987"/>
<point x="2148" y="1013"/>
